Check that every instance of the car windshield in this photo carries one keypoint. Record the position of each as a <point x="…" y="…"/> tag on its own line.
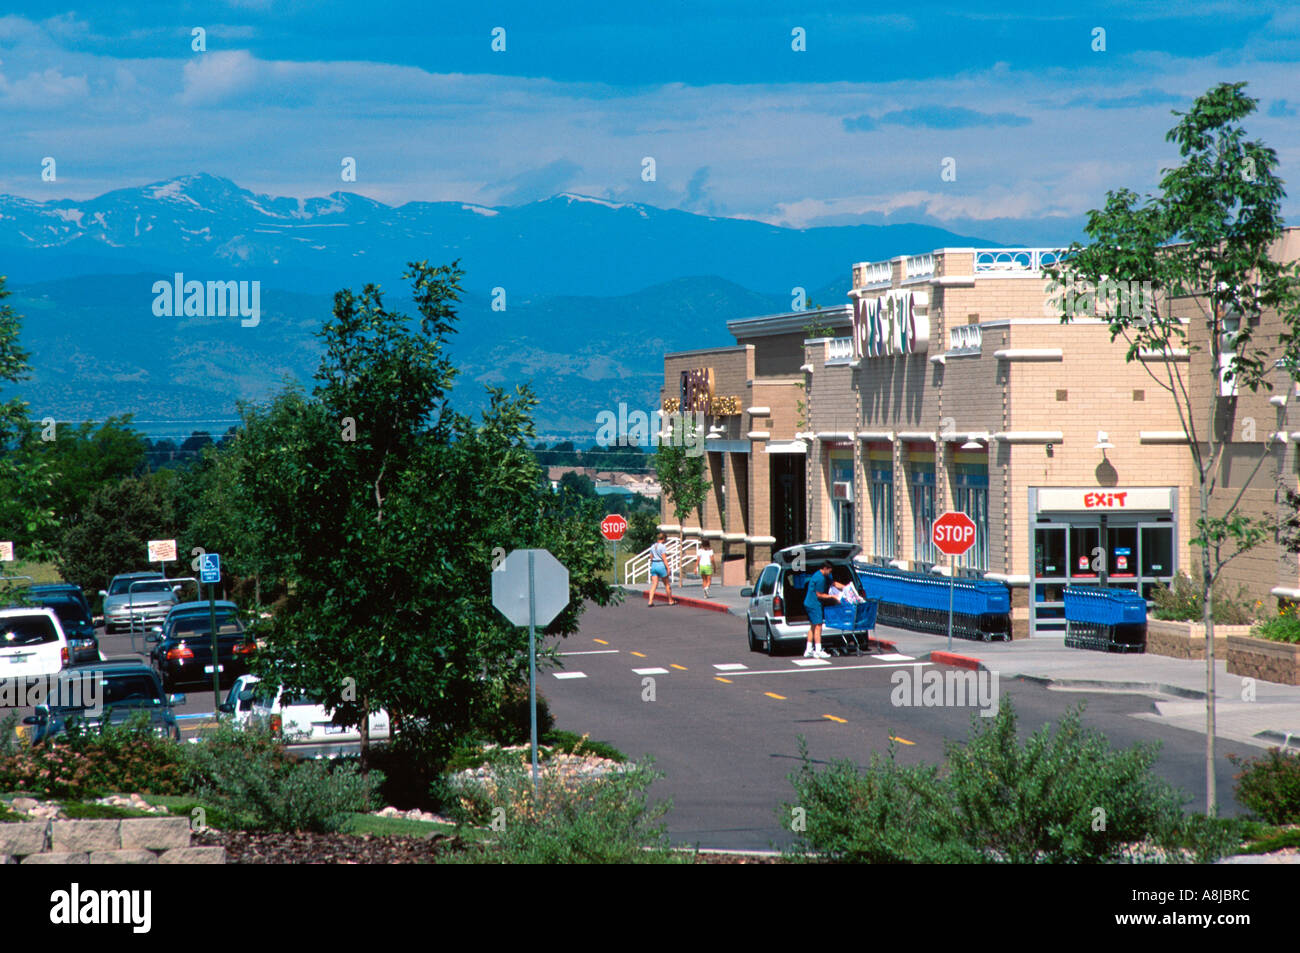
<point x="26" y="630"/>
<point x="125" y="689"/>
<point x="157" y="585"/>
<point x="122" y="585"/>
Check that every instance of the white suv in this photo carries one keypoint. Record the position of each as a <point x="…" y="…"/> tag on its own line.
<point x="32" y="643"/>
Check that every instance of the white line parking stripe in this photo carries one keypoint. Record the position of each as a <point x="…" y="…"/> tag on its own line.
<point x="730" y="667"/>
<point x="835" y="668"/>
<point x="593" y="652"/>
<point x="894" y="657"/>
<point x="649" y="671"/>
<point x="569" y="674"/>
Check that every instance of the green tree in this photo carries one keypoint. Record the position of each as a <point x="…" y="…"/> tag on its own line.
<point x="1203" y="244"/>
<point x="82" y="458"/>
<point x="681" y="472"/>
<point x="112" y="534"/>
<point x="26" y="516"/>
<point x="390" y="510"/>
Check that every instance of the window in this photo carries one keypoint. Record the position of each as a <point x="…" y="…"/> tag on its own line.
<point x="767" y="581"/>
<point x="882" y="512"/>
<point x="841" y="474"/>
<point x="923" y="513"/>
<point x="971" y="496"/>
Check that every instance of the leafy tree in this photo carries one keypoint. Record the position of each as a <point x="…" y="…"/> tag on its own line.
<point x="390" y="510"/>
<point x="81" y="458"/>
<point x="112" y="534"/>
<point x="26" y="516"/>
<point x="1204" y="245"/>
<point x="681" y="473"/>
<point x="578" y="484"/>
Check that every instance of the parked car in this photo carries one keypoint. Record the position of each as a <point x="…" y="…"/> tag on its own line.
<point x="74" y="617"/>
<point x="126" y="690"/>
<point x="32" y="643"/>
<point x="307" y="727"/>
<point x="63" y="589"/>
<point x="776" y="615"/>
<point x="136" y="599"/>
<point x="182" y="648"/>
<point x="222" y="608"/>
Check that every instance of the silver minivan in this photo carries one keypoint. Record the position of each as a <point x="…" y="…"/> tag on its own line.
<point x="776" y="615"/>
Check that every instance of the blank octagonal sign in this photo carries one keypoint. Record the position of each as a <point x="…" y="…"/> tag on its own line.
<point x="550" y="586"/>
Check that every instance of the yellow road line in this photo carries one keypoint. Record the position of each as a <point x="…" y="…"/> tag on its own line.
<point x="901" y="741"/>
<point x="600" y="641"/>
<point x="676" y="666"/>
<point x="779" y="698"/>
<point x="719" y="678"/>
<point x="842" y="721"/>
<point x="639" y="654"/>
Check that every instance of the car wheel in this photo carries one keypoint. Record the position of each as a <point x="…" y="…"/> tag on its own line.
<point x="754" y="644"/>
<point x="771" y="640"/>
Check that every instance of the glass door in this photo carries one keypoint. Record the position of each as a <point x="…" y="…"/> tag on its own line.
<point x="1050" y="577"/>
<point x="1156" y="557"/>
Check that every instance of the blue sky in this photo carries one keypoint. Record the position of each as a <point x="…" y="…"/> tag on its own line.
<point x="853" y="129"/>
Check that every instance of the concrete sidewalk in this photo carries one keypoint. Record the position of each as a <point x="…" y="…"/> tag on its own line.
<point x="1177" y="686"/>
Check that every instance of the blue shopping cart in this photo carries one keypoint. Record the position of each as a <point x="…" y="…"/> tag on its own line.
<point x="852" y="619"/>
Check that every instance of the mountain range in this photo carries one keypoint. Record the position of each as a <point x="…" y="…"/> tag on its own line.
<point x="594" y="292"/>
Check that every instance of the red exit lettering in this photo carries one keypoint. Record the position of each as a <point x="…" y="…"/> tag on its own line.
<point x="1091" y="500"/>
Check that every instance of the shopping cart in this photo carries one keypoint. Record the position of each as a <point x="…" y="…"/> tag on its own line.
<point x="852" y="619"/>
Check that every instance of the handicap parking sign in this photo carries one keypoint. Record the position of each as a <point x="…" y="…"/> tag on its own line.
<point x="210" y="568"/>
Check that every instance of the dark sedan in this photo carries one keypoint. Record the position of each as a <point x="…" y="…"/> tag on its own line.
<point x="108" y="693"/>
<point x="182" y="651"/>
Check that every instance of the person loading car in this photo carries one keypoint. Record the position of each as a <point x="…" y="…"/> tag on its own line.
<point x="817" y="595"/>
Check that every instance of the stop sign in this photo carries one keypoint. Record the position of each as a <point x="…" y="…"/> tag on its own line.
<point x="613" y="527"/>
<point x="953" y="533"/>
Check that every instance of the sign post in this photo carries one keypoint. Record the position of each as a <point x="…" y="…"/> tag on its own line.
<point x="210" y="572"/>
<point x="530" y="587"/>
<point x="612" y="528"/>
<point x="953" y="535"/>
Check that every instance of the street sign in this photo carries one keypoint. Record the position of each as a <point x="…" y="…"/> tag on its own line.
<point x="550" y="587"/>
<point x="531" y="587"/>
<point x="162" y="550"/>
<point x="953" y="533"/>
<point x="613" y="527"/>
<point x="6" y="552"/>
<point x="210" y="568"/>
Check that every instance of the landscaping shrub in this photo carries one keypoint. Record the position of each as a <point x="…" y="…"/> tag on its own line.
<point x="89" y="763"/>
<point x="602" y="820"/>
<point x="249" y="777"/>
<point x="1270" y="786"/>
<point x="508" y="720"/>
<point x="1183" y="603"/>
<point x="1283" y="627"/>
<point x="1057" y="797"/>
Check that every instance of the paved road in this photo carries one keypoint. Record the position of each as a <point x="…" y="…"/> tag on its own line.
<point x="727" y="738"/>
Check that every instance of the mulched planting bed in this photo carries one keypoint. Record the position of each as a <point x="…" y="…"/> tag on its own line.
<point x="258" y="847"/>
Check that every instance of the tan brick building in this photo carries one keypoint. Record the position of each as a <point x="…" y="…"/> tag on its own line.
<point x="754" y="462"/>
<point x="951" y="383"/>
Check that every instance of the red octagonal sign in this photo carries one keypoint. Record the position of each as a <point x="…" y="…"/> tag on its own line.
<point x="954" y="533"/>
<point x="613" y="527"/>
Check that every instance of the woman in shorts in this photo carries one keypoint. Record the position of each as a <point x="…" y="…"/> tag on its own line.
<point x="706" y="566"/>
<point x="659" y="570"/>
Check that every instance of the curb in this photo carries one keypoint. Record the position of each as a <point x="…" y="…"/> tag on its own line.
<point x="1147" y="688"/>
<point x="1284" y="739"/>
<point x="692" y="602"/>
<point x="957" y="661"/>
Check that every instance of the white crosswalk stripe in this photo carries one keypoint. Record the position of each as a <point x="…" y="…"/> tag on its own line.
<point x="730" y="667"/>
<point x="569" y="674"/>
<point x="649" y="671"/>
